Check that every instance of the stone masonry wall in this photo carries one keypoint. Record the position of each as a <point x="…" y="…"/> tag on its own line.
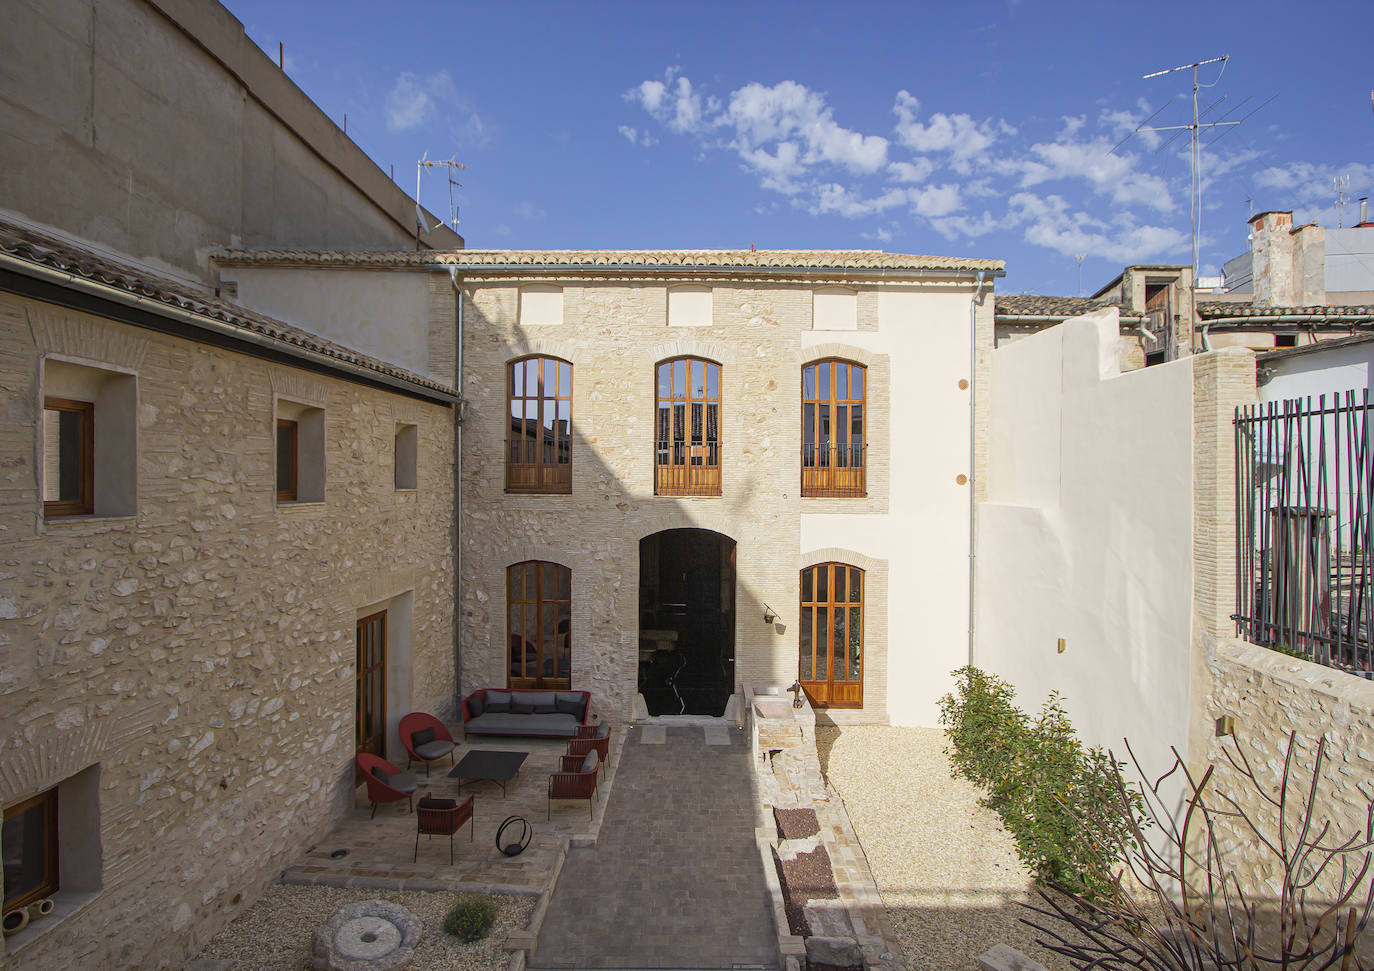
<point x="201" y="652"/>
<point x="614" y="333"/>
<point x="1268" y="695"/>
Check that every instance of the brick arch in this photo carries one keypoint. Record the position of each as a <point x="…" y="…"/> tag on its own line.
<point x="541" y="347"/>
<point x="836" y="554"/>
<point x="721" y="354"/>
<point x="848" y="352"/>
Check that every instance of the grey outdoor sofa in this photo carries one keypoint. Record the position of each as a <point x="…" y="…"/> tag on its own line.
<point x="531" y="714"/>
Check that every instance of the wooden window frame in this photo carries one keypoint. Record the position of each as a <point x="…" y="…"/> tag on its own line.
<point x="360" y="679"/>
<point x="558" y="681"/>
<point x="830" y="692"/>
<point x="830" y="479"/>
<point x="539" y="477"/>
<point x="679" y="475"/>
<point x="84" y="504"/>
<point x="51" y="876"/>
<point x="288" y="495"/>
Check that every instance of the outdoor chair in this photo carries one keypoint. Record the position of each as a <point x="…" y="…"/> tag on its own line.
<point x="441" y="817"/>
<point x="592" y="738"/>
<point x="385" y="782"/>
<point x="425" y="738"/>
<point x="576" y="779"/>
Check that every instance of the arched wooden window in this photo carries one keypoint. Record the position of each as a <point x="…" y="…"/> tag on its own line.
<point x="539" y="624"/>
<point x="832" y="459"/>
<point x="687" y="427"/>
<point x="832" y="635"/>
<point x="538" y="442"/>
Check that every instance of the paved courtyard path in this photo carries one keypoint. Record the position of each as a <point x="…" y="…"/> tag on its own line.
<point x="675" y="879"/>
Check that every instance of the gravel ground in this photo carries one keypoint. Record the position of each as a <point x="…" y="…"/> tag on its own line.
<point x="278" y="930"/>
<point x="947" y="870"/>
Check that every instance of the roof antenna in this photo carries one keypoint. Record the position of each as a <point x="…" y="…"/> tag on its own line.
<point x="451" y="165"/>
<point x="1080" y="257"/>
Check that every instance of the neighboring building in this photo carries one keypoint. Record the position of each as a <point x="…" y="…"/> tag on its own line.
<point x="1327" y="368"/>
<point x="1154" y="302"/>
<point x="205" y="512"/>
<point x="685" y="472"/>
<point x="159" y="129"/>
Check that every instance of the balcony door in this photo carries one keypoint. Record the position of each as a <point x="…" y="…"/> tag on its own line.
<point x="831" y="639"/>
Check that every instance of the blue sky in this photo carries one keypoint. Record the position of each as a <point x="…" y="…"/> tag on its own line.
<point x="970" y="130"/>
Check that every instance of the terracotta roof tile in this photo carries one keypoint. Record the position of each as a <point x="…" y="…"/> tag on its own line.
<point x="47" y="251"/>
<point x="780" y="260"/>
<point x="1213" y="309"/>
<point x="1035" y="305"/>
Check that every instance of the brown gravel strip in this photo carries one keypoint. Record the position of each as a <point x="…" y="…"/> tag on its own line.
<point x="796" y="824"/>
<point x="947" y="870"/>
<point x="277" y="931"/>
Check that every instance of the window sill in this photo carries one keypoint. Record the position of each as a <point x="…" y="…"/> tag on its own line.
<point x="300" y="503"/>
<point x="411" y="491"/>
<point x="65" y="904"/>
<point x="101" y="517"/>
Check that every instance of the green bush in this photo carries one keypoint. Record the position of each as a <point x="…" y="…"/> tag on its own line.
<point x="470" y="918"/>
<point x="1059" y="799"/>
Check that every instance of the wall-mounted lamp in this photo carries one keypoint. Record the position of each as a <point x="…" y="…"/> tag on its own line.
<point x="769" y="614"/>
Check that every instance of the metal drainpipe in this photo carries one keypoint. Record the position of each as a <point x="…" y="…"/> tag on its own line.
<point x="972" y="445"/>
<point x="458" y="414"/>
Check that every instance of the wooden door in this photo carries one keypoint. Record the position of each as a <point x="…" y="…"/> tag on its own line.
<point x="370" y="710"/>
<point x="832" y="635"/>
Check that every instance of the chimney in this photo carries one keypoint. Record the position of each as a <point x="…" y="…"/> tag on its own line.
<point x="1271" y="259"/>
<point x="1309" y="265"/>
<point x="1364" y="210"/>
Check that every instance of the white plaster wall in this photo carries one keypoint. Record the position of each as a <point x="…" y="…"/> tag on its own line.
<point x="383" y="313"/>
<point x="1087" y="535"/>
<point x="1319" y="372"/>
<point x="924" y="535"/>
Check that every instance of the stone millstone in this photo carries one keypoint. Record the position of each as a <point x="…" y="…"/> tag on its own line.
<point x="371" y="936"/>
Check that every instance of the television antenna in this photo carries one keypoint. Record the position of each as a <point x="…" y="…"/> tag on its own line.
<point x="1341" y="186"/>
<point x="1194" y="129"/>
<point x="451" y="167"/>
<point x="1080" y="257"/>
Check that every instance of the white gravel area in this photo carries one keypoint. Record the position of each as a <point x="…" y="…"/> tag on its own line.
<point x="277" y="931"/>
<point x="947" y="870"/>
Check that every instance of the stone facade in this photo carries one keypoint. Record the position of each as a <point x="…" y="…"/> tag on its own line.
<point x="614" y="330"/>
<point x="185" y="674"/>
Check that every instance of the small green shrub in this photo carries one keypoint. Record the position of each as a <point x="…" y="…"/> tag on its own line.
<point x="470" y="918"/>
<point x="1057" y="798"/>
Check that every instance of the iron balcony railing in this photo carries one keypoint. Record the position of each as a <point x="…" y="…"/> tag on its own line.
<point x="833" y="471"/>
<point x="686" y="468"/>
<point x="1305" y="525"/>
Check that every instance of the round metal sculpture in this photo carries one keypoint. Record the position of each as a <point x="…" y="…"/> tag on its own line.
<point x="372" y="935"/>
<point x="519" y="838"/>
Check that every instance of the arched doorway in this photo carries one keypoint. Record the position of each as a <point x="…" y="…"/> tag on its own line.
<point x="686" y="621"/>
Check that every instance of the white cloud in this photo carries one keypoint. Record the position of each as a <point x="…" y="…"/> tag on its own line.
<point x="672" y="101"/>
<point x="839" y="199"/>
<point x="788" y="111"/>
<point x="959" y="135"/>
<point x="528" y="210"/>
<point x="936" y="200"/>
<point x="917" y="170"/>
<point x="1051" y="222"/>
<point x="415" y="101"/>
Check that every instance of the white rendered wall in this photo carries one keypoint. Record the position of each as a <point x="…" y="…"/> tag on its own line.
<point x="383" y="313"/>
<point x="1087" y="535"/>
<point x="924" y="535"/>
<point x="1320" y="372"/>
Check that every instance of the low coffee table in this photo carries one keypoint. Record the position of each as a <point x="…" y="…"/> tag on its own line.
<point x="481" y="765"/>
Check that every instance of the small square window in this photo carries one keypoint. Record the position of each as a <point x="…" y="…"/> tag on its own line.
<point x="407" y="446"/>
<point x="68" y="457"/>
<point x="299" y="453"/>
<point x="288" y="435"/>
<point x="30" y="841"/>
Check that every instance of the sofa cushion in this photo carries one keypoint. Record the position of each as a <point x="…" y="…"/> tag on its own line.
<point x="436" y="749"/>
<point x="498" y="701"/>
<point x="589" y="763"/>
<point x="434" y="802"/>
<point x="518" y="707"/>
<point x="404" y="781"/>
<point x="380" y="773"/>
<point x="540" y="699"/>
<point x="421" y="737"/>
<point x="476" y="706"/>
<point x="603" y="730"/>
<point x="506" y="723"/>
<point x="570" y="705"/>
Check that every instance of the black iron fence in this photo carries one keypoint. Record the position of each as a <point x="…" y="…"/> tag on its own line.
<point x="1305" y="525"/>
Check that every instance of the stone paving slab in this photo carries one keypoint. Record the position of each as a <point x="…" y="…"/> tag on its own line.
<point x="675" y="880"/>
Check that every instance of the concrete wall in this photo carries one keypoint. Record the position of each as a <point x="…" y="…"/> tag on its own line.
<point x="1087" y="534"/>
<point x="198" y="655"/>
<point x="911" y="530"/>
<point x="406" y="318"/>
<point x="166" y="132"/>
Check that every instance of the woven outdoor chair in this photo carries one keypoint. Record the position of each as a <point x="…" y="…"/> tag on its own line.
<point x="442" y="817"/>
<point x="590" y="738"/>
<point x="425" y="738"/>
<point x="576" y="779"/>
<point x="385" y="782"/>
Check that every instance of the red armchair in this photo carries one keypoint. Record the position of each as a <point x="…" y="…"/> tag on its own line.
<point x="385" y="782"/>
<point x="442" y="817"/>
<point x="576" y="779"/>
<point x="592" y="738"/>
<point x="425" y="738"/>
